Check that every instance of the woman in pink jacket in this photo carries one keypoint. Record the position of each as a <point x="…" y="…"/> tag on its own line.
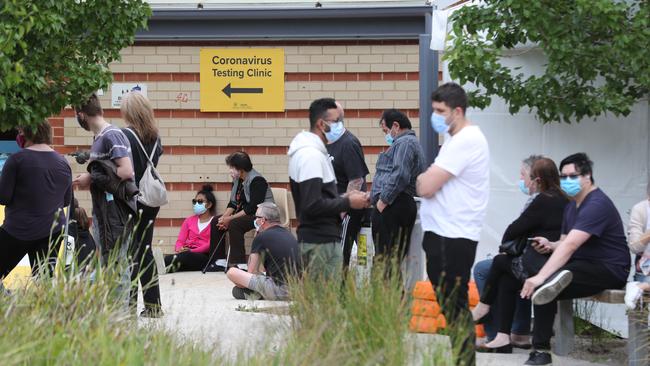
<point x="193" y="244"/>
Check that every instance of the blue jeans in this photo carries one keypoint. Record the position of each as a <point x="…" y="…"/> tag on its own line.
<point x="639" y="276"/>
<point x="521" y="321"/>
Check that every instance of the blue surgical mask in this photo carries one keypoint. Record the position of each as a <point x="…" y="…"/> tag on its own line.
<point x="389" y="139"/>
<point x="335" y="132"/>
<point x="257" y="226"/>
<point x="570" y="186"/>
<point x="523" y="188"/>
<point x="199" y="208"/>
<point x="438" y="124"/>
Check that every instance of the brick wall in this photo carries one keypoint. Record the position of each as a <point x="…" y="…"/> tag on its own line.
<point x="366" y="77"/>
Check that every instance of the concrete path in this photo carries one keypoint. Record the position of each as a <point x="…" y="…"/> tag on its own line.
<point x="200" y="308"/>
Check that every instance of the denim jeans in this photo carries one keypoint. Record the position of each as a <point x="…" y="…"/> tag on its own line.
<point x="521" y="322"/>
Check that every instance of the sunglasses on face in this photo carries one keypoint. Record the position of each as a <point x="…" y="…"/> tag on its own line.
<point x="199" y="201"/>
<point x="570" y="176"/>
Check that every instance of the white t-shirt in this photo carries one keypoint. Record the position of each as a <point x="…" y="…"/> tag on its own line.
<point x="203" y="225"/>
<point x="458" y="209"/>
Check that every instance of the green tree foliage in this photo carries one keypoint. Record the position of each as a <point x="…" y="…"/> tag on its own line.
<point x="596" y="54"/>
<point x="55" y="53"/>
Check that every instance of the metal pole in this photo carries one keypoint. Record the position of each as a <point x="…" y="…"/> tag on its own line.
<point x="428" y="82"/>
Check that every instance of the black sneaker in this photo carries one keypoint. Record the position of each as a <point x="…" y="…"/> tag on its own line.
<point x="539" y="358"/>
<point x="241" y="293"/>
<point x="213" y="267"/>
<point x="548" y="291"/>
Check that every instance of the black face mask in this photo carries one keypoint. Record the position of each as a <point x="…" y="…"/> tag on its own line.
<point x="83" y="123"/>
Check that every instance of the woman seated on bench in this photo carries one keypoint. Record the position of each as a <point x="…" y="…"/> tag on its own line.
<point x="638" y="239"/>
<point x="193" y="244"/>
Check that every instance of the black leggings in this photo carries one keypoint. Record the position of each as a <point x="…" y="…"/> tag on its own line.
<point x="186" y="261"/>
<point x="13" y="250"/>
<point x="501" y="284"/>
<point x="144" y="265"/>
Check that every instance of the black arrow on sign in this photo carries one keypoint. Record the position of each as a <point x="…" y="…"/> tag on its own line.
<point x="228" y="90"/>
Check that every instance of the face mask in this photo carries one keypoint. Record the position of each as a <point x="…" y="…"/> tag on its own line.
<point x="83" y="123"/>
<point x="570" y="186"/>
<point x="199" y="208"/>
<point x="234" y="174"/>
<point x="257" y="226"/>
<point x="523" y="188"/>
<point x="438" y="124"/>
<point x="389" y="139"/>
<point x="20" y="140"/>
<point x="335" y="132"/>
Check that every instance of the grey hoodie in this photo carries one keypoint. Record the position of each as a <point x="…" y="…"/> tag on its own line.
<point x="313" y="186"/>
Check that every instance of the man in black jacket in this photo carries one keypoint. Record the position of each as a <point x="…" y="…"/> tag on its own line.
<point x="313" y="186"/>
<point x="350" y="170"/>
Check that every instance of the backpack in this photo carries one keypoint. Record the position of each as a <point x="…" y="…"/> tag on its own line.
<point x="152" y="188"/>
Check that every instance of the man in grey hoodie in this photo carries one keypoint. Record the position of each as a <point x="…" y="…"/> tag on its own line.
<point x="313" y="186"/>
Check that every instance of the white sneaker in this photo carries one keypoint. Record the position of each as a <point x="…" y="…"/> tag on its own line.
<point x="632" y="294"/>
<point x="548" y="291"/>
<point x="222" y="263"/>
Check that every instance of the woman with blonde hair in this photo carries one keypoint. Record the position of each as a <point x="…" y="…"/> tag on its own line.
<point x="145" y="144"/>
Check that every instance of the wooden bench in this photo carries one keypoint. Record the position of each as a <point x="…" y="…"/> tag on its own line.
<point x="637" y="342"/>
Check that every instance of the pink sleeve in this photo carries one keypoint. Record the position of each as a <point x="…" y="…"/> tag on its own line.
<point x="182" y="235"/>
<point x="205" y="241"/>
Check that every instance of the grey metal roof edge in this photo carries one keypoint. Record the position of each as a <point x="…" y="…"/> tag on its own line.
<point x="291" y="13"/>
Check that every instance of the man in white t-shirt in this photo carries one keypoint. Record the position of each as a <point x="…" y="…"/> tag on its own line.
<point x="455" y="192"/>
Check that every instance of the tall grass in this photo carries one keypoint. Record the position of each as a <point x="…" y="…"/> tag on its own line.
<point x="354" y="324"/>
<point x="71" y="320"/>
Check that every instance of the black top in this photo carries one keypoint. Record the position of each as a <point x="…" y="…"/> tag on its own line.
<point x="139" y="157"/>
<point x="598" y="217"/>
<point x="543" y="217"/>
<point x="279" y="250"/>
<point x="258" y="194"/>
<point x="348" y="161"/>
<point x="34" y="185"/>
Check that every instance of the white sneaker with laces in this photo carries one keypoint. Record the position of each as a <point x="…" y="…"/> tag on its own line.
<point x="632" y="294"/>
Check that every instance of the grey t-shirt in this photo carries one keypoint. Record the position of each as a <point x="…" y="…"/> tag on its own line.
<point x="110" y="144"/>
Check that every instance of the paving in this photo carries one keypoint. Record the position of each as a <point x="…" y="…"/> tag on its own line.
<point x="199" y="308"/>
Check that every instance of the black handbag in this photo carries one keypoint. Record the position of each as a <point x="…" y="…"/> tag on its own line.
<point x="513" y="247"/>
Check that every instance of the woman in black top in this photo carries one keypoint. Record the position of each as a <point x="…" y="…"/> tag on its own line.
<point x="543" y="217"/>
<point x="249" y="189"/>
<point x="35" y="185"/>
<point x="138" y="115"/>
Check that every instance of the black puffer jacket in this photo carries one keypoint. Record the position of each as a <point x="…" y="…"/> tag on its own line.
<point x="114" y="204"/>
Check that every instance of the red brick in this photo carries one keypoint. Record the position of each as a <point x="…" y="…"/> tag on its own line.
<point x="207" y="114"/>
<point x="321" y="76"/>
<point x="58" y="140"/>
<point x="159" y="77"/>
<point x="135" y="77"/>
<point x="118" y="76"/>
<point x="207" y="150"/>
<point x="303" y="76"/>
<point x="394" y="76"/>
<point x="223" y="186"/>
<point x="57" y="131"/>
<point x="369" y="113"/>
<point x="229" y="149"/>
<point x="183" y="150"/>
<point x="280" y="185"/>
<point x="56" y="122"/>
<point x="185" y="76"/>
<point x="278" y="150"/>
<point x="413" y="75"/>
<point x="297" y="114"/>
<point x="371" y="150"/>
<point x="367" y="76"/>
<point x="346" y="76"/>
<point x="254" y="114"/>
<point x="258" y="150"/>
<point x="112" y="113"/>
<point x="276" y="114"/>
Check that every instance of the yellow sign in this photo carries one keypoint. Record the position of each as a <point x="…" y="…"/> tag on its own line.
<point x="242" y="80"/>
